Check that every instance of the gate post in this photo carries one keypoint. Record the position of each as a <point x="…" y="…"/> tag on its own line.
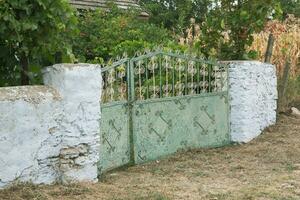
<point x="131" y="98"/>
<point x="253" y="95"/>
<point x="80" y="88"/>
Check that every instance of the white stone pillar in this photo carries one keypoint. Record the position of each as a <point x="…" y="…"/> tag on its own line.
<point x="253" y="98"/>
<point x="80" y="88"/>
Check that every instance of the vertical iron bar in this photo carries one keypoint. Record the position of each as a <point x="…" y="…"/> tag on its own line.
<point x="116" y="84"/>
<point x="203" y="76"/>
<point x="104" y="92"/>
<point x="166" y="82"/>
<point x="147" y="81"/>
<point x="209" y="77"/>
<point x="140" y="80"/>
<point x="192" y="78"/>
<point x="222" y="78"/>
<point x="160" y="80"/>
<point x="111" y="85"/>
<point x="186" y="77"/>
<point x="198" y="77"/>
<point x="180" y="78"/>
<point x="153" y="78"/>
<point x="173" y="77"/>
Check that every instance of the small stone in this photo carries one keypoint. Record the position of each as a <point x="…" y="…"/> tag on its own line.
<point x="295" y="112"/>
<point x="81" y="160"/>
<point x="287" y="186"/>
<point x="69" y="153"/>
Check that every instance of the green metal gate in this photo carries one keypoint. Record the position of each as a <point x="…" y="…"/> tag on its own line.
<point x="158" y="103"/>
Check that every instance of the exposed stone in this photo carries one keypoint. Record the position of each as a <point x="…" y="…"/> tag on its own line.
<point x="80" y="126"/>
<point x="49" y="135"/>
<point x="31" y="94"/>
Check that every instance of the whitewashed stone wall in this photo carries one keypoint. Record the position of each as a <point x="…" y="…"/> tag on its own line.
<point x="80" y="89"/>
<point x="253" y="94"/>
<point x="49" y="133"/>
<point x="29" y="139"/>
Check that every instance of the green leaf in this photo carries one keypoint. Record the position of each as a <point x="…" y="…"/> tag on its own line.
<point x="222" y="24"/>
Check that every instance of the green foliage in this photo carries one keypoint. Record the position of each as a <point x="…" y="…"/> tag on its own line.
<point x="172" y="14"/>
<point x="109" y="34"/>
<point x="228" y="28"/>
<point x="290" y="7"/>
<point x="175" y="15"/>
<point x="31" y="32"/>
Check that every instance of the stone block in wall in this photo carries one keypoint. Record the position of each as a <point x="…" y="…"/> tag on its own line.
<point x="253" y="98"/>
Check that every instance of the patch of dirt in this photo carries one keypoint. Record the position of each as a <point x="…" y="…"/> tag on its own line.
<point x="267" y="168"/>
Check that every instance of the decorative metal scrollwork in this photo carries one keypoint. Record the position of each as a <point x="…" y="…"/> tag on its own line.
<point x="162" y="75"/>
<point x="115" y="84"/>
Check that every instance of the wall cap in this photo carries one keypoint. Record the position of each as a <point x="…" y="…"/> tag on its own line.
<point x="30" y="94"/>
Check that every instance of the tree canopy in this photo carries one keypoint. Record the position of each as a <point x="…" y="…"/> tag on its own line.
<point x="226" y="26"/>
<point x="32" y="31"/>
<point x="104" y="35"/>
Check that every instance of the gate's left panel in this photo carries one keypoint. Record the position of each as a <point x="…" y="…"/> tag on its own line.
<point x="114" y="132"/>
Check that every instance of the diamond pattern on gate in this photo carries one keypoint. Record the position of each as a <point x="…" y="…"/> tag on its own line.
<point x="211" y="117"/>
<point x="164" y="125"/>
<point x="111" y="139"/>
<point x="157" y="133"/>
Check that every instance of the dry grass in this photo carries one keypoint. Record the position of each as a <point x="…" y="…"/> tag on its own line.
<point x="287" y="44"/>
<point x="292" y="95"/>
<point x="265" y="169"/>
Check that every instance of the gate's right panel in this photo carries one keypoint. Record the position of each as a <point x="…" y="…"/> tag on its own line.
<point x="180" y="102"/>
<point x="164" y="126"/>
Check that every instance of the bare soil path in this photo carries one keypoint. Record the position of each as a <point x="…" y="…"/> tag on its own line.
<point x="266" y="169"/>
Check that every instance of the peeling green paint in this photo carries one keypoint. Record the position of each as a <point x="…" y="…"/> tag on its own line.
<point x="137" y="127"/>
<point x="165" y="126"/>
<point x="114" y="137"/>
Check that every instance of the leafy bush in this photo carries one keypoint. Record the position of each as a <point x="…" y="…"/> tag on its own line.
<point x="225" y="27"/>
<point x="104" y="35"/>
<point x="290" y="7"/>
<point x="31" y="32"/>
<point x="230" y="26"/>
